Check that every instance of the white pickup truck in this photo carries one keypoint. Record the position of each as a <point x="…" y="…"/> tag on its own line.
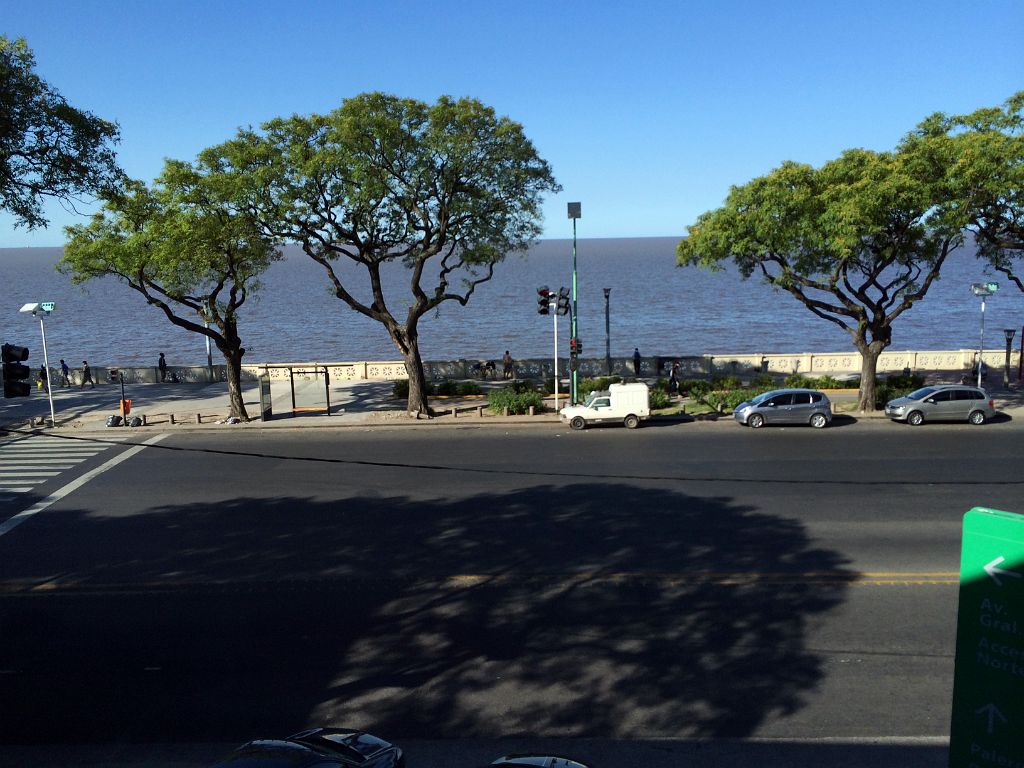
<point x="627" y="403"/>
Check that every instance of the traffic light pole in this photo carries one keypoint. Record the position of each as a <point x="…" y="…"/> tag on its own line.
<point x="574" y="393"/>
<point x="554" y="319"/>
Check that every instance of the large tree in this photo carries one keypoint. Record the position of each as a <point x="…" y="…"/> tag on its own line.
<point x="48" y="148"/>
<point x="985" y="151"/>
<point x="447" y="190"/>
<point x="856" y="241"/>
<point x="183" y="246"/>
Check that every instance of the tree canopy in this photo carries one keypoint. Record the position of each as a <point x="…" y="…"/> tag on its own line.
<point x="857" y="241"/>
<point x="447" y="190"/>
<point x="984" y="153"/>
<point x="182" y="246"/>
<point x="48" y="148"/>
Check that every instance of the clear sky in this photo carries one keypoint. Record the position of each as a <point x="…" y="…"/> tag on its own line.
<point x="647" y="113"/>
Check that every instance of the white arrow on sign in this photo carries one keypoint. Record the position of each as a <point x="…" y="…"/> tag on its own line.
<point x="993" y="570"/>
<point x="993" y="712"/>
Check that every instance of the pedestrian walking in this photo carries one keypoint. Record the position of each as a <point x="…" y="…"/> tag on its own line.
<point x="673" y="379"/>
<point x="65" y="380"/>
<point x="44" y="380"/>
<point x="87" y="375"/>
<point x="636" y="361"/>
<point x="507" y="363"/>
<point x="162" y="365"/>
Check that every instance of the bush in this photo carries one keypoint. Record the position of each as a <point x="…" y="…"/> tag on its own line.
<point x="763" y="381"/>
<point x="909" y="383"/>
<point x="447" y="388"/>
<point x="516" y="402"/>
<point x="522" y="386"/>
<point x="725" y="382"/>
<point x="799" y="381"/>
<point x="469" y="388"/>
<point x="694" y="387"/>
<point x="586" y="386"/>
<point x="727" y="400"/>
<point x="660" y="399"/>
<point x="400" y="389"/>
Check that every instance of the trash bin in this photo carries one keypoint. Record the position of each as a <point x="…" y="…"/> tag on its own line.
<point x="126" y="407"/>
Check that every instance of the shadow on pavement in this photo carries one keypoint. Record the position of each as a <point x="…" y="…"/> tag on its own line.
<point x="543" y="612"/>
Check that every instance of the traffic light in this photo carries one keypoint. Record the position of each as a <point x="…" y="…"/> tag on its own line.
<point x="573" y="347"/>
<point x="544" y="299"/>
<point x="14" y="371"/>
<point x="579" y="347"/>
<point x="563" y="301"/>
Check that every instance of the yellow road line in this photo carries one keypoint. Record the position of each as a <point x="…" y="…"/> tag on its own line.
<point x="469" y="580"/>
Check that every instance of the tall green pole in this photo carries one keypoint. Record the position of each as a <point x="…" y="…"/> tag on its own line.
<point x="575" y="391"/>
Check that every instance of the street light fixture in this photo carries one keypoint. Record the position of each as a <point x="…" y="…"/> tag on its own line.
<point x="1008" y="333"/>
<point x="41" y="309"/>
<point x="607" y="333"/>
<point x="983" y="290"/>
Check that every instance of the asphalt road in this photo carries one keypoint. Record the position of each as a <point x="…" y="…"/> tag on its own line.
<point x="689" y="581"/>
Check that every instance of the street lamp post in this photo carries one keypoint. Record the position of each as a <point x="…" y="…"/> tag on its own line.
<point x="607" y="333"/>
<point x="41" y="310"/>
<point x="575" y="212"/>
<point x="209" y="352"/>
<point x="983" y="290"/>
<point x="1008" y="333"/>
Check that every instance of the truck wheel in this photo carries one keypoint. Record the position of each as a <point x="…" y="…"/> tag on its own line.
<point x="631" y="421"/>
<point x="578" y="422"/>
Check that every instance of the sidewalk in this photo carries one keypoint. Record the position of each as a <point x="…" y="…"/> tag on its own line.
<point x="181" y="407"/>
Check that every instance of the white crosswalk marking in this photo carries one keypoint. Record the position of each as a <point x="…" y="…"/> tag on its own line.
<point x="29" y="461"/>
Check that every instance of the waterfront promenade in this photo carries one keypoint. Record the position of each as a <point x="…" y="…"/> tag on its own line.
<point x="361" y="403"/>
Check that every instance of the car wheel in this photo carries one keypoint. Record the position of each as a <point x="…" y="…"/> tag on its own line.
<point x="976" y="417"/>
<point x="915" y="419"/>
<point x="631" y="421"/>
<point x="818" y="420"/>
<point x="578" y="422"/>
<point x="756" y="421"/>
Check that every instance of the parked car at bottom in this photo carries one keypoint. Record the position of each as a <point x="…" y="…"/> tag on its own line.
<point x="317" y="748"/>
<point x="943" y="402"/>
<point x="785" y="406"/>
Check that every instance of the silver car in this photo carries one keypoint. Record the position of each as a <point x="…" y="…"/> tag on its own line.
<point x="944" y="402"/>
<point x="786" y="406"/>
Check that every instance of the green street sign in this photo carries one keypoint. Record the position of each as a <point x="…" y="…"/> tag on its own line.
<point x="992" y="286"/>
<point x="987" y="728"/>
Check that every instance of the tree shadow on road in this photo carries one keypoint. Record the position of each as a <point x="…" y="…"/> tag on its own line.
<point x="584" y="610"/>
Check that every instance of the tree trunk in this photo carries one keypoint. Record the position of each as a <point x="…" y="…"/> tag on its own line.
<point x="869" y="353"/>
<point x="417" y="378"/>
<point x="233" y="358"/>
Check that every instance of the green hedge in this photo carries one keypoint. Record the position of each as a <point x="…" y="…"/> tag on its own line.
<point x="446" y="388"/>
<point x="517" y="402"/>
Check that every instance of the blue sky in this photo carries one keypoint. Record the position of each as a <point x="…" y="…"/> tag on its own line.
<point x="646" y="114"/>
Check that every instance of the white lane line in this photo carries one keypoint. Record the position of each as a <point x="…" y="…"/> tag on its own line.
<point x="22" y="481"/>
<point x="74" y="485"/>
<point x="58" y="450"/>
<point x="41" y="464"/>
<point x="30" y="473"/>
<point x="19" y="489"/>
